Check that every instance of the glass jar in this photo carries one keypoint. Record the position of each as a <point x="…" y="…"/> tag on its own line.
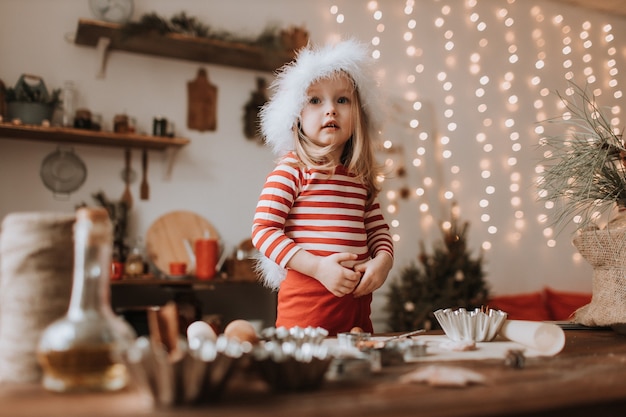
<point x="120" y="123"/>
<point x="83" y="351"/>
<point x="134" y="266"/>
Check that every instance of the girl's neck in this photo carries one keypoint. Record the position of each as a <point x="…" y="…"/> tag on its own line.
<point x="335" y="156"/>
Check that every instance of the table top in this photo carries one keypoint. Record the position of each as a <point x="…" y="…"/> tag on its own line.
<point x="589" y="375"/>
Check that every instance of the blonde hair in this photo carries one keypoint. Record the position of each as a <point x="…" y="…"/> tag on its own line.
<point x="358" y="154"/>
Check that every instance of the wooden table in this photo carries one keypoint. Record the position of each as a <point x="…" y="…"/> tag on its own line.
<point x="587" y="378"/>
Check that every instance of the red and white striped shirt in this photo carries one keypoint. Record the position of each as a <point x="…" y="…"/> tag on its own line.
<point x="302" y="208"/>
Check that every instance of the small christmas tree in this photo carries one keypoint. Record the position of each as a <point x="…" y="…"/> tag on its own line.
<point x="448" y="278"/>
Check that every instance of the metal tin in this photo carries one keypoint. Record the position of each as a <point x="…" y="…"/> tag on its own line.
<point x="350" y="368"/>
<point x="352" y="339"/>
<point x="477" y="325"/>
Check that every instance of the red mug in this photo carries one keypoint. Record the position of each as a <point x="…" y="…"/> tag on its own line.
<point x="206" y="258"/>
<point x="117" y="270"/>
<point x="178" y="268"/>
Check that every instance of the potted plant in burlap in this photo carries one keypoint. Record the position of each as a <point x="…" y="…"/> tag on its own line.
<point x="585" y="179"/>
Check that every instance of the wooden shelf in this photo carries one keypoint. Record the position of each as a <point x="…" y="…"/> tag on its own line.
<point x="234" y="54"/>
<point x="89" y="137"/>
<point x="151" y="280"/>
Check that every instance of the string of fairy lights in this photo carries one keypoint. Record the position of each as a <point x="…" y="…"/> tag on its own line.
<point x="571" y="51"/>
<point x="502" y="96"/>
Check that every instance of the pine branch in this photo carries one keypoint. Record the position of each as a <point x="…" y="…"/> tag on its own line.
<point x="585" y="176"/>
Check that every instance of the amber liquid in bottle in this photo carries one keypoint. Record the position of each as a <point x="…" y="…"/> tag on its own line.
<point x="82" y="367"/>
<point x="83" y="351"/>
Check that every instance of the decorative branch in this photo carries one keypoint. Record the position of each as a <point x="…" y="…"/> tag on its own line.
<point x="585" y="176"/>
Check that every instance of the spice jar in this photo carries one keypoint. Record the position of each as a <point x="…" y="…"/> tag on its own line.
<point x="120" y="123"/>
<point x="82" y="119"/>
<point x="83" y="351"/>
<point x="134" y="266"/>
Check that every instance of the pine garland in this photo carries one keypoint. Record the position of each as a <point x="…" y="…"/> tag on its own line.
<point x="447" y="278"/>
<point x="180" y="23"/>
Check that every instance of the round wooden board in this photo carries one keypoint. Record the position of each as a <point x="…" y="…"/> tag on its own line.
<point x="165" y="239"/>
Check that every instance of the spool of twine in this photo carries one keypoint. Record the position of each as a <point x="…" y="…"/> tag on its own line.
<point x="36" y="269"/>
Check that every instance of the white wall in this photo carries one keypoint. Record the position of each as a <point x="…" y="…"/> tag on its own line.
<point x="219" y="174"/>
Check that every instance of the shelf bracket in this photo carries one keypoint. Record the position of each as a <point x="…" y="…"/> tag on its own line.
<point x="103" y="53"/>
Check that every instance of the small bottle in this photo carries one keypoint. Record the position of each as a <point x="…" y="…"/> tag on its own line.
<point x="134" y="266"/>
<point x="83" y="351"/>
<point x="68" y="98"/>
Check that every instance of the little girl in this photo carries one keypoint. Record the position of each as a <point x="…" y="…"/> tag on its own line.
<point x="318" y="224"/>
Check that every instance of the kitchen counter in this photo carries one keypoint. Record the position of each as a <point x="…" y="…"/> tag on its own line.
<point x="587" y="378"/>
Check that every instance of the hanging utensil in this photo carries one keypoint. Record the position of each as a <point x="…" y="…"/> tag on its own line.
<point x="63" y="172"/>
<point x="144" y="189"/>
<point x="127" y="197"/>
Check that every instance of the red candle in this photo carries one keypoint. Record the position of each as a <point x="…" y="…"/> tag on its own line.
<point x="206" y="258"/>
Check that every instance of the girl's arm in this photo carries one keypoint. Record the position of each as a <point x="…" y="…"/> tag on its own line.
<point x="375" y="271"/>
<point x="378" y="235"/>
<point x="268" y="236"/>
<point x="273" y="207"/>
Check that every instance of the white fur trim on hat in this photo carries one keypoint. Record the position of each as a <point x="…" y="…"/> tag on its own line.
<point x="280" y="113"/>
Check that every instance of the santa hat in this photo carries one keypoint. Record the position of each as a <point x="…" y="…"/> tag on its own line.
<point x="280" y="113"/>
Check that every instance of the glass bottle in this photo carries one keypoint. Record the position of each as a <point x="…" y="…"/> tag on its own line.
<point x="83" y="351"/>
<point x="68" y="98"/>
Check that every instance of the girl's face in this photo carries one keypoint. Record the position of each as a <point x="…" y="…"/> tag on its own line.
<point x="326" y="118"/>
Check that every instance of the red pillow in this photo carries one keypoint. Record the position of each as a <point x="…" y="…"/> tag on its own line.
<point x="529" y="306"/>
<point x="562" y="304"/>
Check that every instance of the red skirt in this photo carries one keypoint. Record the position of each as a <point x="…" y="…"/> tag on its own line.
<point x="303" y="301"/>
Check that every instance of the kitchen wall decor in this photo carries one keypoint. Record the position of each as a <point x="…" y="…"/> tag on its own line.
<point x="63" y="172"/>
<point x="202" y="103"/>
<point x="251" y="127"/>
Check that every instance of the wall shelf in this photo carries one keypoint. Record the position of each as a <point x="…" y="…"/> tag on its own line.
<point x="89" y="137"/>
<point x="151" y="280"/>
<point x="235" y="54"/>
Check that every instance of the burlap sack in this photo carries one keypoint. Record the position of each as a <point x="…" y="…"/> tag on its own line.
<point x="36" y="263"/>
<point x="605" y="250"/>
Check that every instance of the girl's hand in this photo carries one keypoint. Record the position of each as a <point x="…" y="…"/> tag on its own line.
<point x="337" y="278"/>
<point x="334" y="272"/>
<point x="374" y="273"/>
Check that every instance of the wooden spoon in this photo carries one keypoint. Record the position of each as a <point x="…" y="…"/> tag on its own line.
<point x="144" y="189"/>
<point x="163" y="326"/>
<point x="127" y="197"/>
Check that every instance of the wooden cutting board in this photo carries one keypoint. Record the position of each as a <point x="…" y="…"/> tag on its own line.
<point x="165" y="239"/>
<point x="202" y="103"/>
